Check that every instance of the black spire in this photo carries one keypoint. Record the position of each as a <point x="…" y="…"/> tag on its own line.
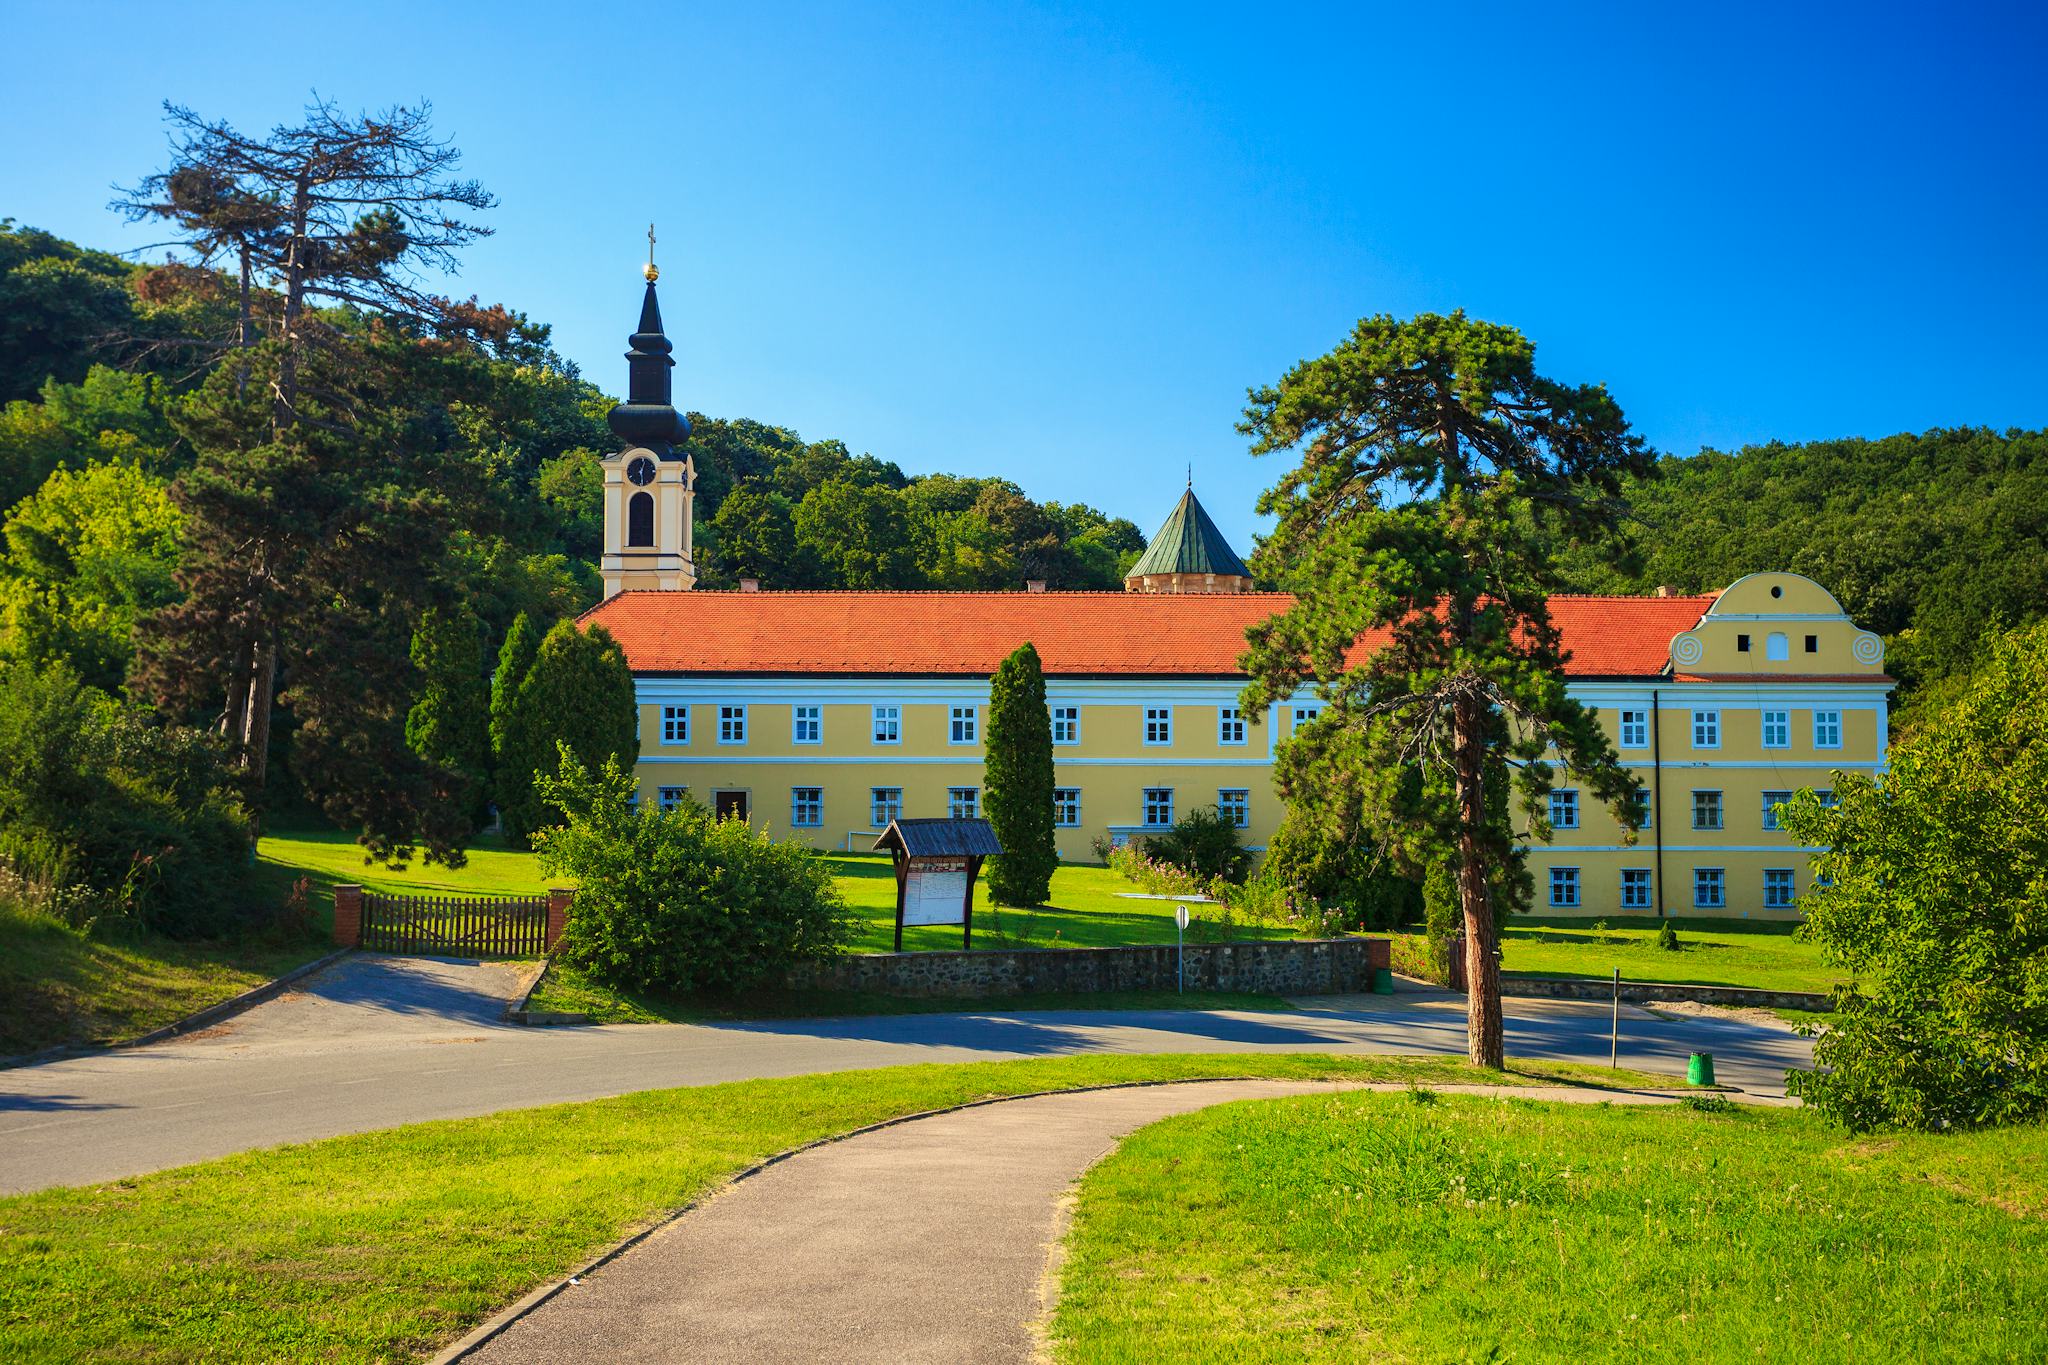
<point x="647" y="417"/>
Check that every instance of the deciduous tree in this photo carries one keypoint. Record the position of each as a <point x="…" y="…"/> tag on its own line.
<point x="1436" y="468"/>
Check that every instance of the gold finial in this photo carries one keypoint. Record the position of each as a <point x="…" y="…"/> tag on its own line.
<point x="650" y="272"/>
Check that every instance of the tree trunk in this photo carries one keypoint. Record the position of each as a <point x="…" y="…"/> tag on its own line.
<point x="245" y="336"/>
<point x="233" y="717"/>
<point x="256" y="723"/>
<point x="284" y="411"/>
<point x="1483" y="1031"/>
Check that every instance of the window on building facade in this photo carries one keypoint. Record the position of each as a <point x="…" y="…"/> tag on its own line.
<point x="1709" y="888"/>
<point x="963" y="803"/>
<point x="1777" y="729"/>
<point x="1776" y="646"/>
<point x="884" y="804"/>
<point x="1826" y="796"/>
<point x="966" y="725"/>
<point x="668" y="798"/>
<point x="633" y="801"/>
<point x="1642" y="803"/>
<point x="807" y="724"/>
<point x="1066" y="807"/>
<point x="1813" y="644"/>
<point x="1635" y="729"/>
<point x="806" y="807"/>
<point x="675" y="725"/>
<point x="1742" y="644"/>
<point x="888" y="725"/>
<point x="1706" y="729"/>
<point x="732" y="725"/>
<point x="1229" y="725"/>
<point x="1564" y="886"/>
<point x="1159" y="725"/>
<point x="1773" y="800"/>
<point x="1234" y="804"/>
<point x="1564" y="809"/>
<point x="1777" y="888"/>
<point x="1158" y="807"/>
<point x="1635" y="888"/>
<point x="1827" y="729"/>
<point x="1706" y="810"/>
<point x="1066" y="725"/>
<point x="1303" y="715"/>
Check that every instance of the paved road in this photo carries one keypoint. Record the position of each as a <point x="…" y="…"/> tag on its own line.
<point x="927" y="1241"/>
<point x="383" y="1041"/>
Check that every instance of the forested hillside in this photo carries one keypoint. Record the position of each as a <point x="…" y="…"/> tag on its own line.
<point x="1928" y="540"/>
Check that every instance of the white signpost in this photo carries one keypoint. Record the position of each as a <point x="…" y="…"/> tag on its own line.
<point x="1180" y="947"/>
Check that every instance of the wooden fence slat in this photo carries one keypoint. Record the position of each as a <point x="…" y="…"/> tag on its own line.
<point x="503" y="926"/>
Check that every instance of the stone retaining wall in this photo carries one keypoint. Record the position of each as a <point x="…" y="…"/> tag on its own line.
<point x="1649" y="992"/>
<point x="1286" y="967"/>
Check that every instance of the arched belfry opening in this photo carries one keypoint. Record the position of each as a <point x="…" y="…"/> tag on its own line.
<point x="640" y="521"/>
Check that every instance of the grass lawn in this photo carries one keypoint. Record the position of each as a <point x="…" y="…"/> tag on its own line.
<point x="1377" y="1227"/>
<point x="1757" y="953"/>
<point x="1086" y="911"/>
<point x="568" y="991"/>
<point x="57" y="986"/>
<point x="385" y="1245"/>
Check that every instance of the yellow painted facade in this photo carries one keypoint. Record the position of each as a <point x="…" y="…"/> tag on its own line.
<point x="1774" y="690"/>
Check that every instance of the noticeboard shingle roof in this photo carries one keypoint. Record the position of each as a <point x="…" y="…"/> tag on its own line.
<point x="1077" y="634"/>
<point x="941" y="838"/>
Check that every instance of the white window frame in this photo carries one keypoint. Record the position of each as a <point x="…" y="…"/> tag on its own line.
<point x="798" y="720"/>
<point x="963" y="803"/>
<point x="1720" y="804"/>
<point x="1715" y="878"/>
<point x="1148" y="804"/>
<point x="1635" y="729"/>
<point x="1706" y="728"/>
<point x="1776" y="877"/>
<point x="1634" y="879"/>
<point x="1066" y="807"/>
<point x="732" y="723"/>
<point x="1827" y="729"/>
<point x="1066" y="724"/>
<point x="884" y="804"/>
<point x="963" y="724"/>
<point x="1777" y="729"/>
<point x="1234" y="804"/>
<point x="667" y="799"/>
<point x="1564" y="801"/>
<point x="1772" y="799"/>
<point x="1564" y="879"/>
<point x="675" y="724"/>
<point x="799" y="805"/>
<point x="1158" y="726"/>
<point x="1229" y="725"/>
<point x="886" y="723"/>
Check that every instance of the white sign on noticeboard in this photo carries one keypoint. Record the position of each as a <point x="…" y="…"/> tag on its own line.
<point x="935" y="891"/>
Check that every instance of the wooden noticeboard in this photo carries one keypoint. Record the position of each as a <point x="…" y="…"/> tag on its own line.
<point x="937" y="864"/>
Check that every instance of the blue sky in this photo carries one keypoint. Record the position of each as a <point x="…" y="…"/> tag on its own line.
<point x="1058" y="242"/>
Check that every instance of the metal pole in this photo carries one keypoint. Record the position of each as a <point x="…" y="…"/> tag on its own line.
<point x="1614" y="1033"/>
<point x="1180" y="958"/>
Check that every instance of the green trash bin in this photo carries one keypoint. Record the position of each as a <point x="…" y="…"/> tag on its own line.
<point x="1700" y="1071"/>
<point x="1382" y="981"/>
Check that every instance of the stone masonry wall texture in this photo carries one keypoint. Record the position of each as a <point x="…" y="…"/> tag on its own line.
<point x="1289" y="967"/>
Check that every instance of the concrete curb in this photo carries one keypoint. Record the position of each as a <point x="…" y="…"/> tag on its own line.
<point x="522" y="1013"/>
<point x="498" y="1323"/>
<point x="255" y="995"/>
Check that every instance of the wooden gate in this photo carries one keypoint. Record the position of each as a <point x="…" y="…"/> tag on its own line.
<point x="455" y="926"/>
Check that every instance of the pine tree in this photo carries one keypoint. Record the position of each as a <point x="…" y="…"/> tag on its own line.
<point x="515" y="661"/>
<point x="1018" y="778"/>
<point x="448" y="725"/>
<point x="579" y="692"/>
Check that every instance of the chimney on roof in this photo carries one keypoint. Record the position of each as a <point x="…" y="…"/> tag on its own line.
<point x="1034" y="585"/>
<point x="750" y="585"/>
<point x="1666" y="590"/>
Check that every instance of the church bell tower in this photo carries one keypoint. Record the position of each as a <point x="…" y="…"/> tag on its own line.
<point x="650" y="484"/>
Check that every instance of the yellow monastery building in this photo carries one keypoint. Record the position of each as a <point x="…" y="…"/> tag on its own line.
<point x="825" y="715"/>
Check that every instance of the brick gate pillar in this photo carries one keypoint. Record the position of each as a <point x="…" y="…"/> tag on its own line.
<point x="348" y="916"/>
<point x="558" y="915"/>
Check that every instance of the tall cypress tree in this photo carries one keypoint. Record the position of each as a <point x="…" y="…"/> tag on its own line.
<point x="448" y="725"/>
<point x="1018" y="778"/>
<point x="515" y="661"/>
<point x="579" y="692"/>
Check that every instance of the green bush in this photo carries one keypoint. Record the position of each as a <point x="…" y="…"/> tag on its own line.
<point x="1355" y="885"/>
<point x="1933" y="890"/>
<point x="676" y="901"/>
<point x="1443" y="920"/>
<point x="106" y="817"/>
<point x="1667" y="938"/>
<point x="1202" y="844"/>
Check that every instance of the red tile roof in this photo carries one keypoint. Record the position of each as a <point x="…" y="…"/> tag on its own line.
<point x="1077" y="633"/>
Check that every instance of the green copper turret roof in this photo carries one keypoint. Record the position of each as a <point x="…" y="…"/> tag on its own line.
<point x="1189" y="543"/>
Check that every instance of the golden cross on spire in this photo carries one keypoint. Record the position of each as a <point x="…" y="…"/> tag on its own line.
<point x="650" y="272"/>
